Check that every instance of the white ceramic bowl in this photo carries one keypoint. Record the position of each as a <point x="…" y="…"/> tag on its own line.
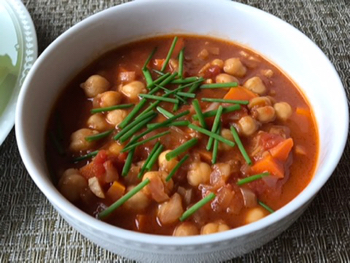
<point x="282" y="44"/>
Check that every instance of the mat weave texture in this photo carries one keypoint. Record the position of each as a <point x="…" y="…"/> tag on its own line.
<point x="32" y="231"/>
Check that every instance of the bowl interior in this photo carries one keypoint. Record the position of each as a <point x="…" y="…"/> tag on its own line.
<point x="274" y="39"/>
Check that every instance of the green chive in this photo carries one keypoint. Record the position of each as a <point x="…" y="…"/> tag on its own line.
<point x="219" y="85"/>
<point x="215" y="147"/>
<point x="98" y="136"/>
<point x="116" y="107"/>
<point x="56" y="143"/>
<point x="143" y="168"/>
<point x="123" y="199"/>
<point x="166" y="113"/>
<point x="171" y="50"/>
<point x="197" y="206"/>
<point x="158" y="80"/>
<point x="240" y="145"/>
<point x="194" y="85"/>
<point x="159" y="72"/>
<point x="166" y="80"/>
<point x="181" y="149"/>
<point x="186" y="94"/>
<point x="184" y="81"/>
<point x="181" y="63"/>
<point x="154" y="158"/>
<point x="177" y="166"/>
<point x="136" y="128"/>
<point x="86" y="156"/>
<point x="215" y="126"/>
<point x="198" y="110"/>
<point x="175" y="123"/>
<point x="266" y="207"/>
<point x="145" y="141"/>
<point x="148" y="76"/>
<point x="132" y="114"/>
<point x="153" y="97"/>
<point x="149" y="58"/>
<point x="211" y="134"/>
<point x="251" y="178"/>
<point x="128" y="163"/>
<point x="212" y="113"/>
<point x="244" y="102"/>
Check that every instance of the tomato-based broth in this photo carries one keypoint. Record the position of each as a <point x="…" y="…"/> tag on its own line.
<point x="181" y="136"/>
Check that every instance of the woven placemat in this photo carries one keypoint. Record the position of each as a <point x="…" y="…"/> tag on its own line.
<point x="32" y="231"/>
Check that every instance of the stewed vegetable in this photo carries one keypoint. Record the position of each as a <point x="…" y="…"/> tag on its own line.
<point x="181" y="136"/>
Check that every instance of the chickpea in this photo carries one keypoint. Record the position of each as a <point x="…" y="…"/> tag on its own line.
<point x="226" y="133"/>
<point x="133" y="89"/>
<point x="115" y="117"/>
<point x="186" y="229"/>
<point x="224" y="78"/>
<point x="256" y="85"/>
<point x="212" y="228"/>
<point x="234" y="67"/>
<point x="97" y="122"/>
<point x="95" y="85"/>
<point x="169" y="212"/>
<point x="266" y="114"/>
<point x="254" y="214"/>
<point x="259" y="102"/>
<point x="283" y="110"/>
<point x="78" y="142"/>
<point x="247" y="125"/>
<point x="109" y="98"/>
<point x="137" y="202"/>
<point x="115" y="148"/>
<point x="199" y="173"/>
<point x="158" y="189"/>
<point x="72" y="184"/>
<point x="164" y="164"/>
<point x="218" y="62"/>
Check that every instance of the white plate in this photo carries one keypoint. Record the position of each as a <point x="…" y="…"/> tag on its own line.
<point x="18" y="51"/>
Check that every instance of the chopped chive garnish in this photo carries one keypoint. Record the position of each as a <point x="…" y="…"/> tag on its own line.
<point x="219" y="85"/>
<point x="179" y="123"/>
<point x="86" y="156"/>
<point x="158" y="80"/>
<point x="215" y="126"/>
<point x="98" y="136"/>
<point x="184" y="81"/>
<point x="198" y="110"/>
<point x="186" y="94"/>
<point x="240" y="145"/>
<point x="154" y="158"/>
<point x="159" y="72"/>
<point x="266" y="207"/>
<point x="194" y="85"/>
<point x="136" y="128"/>
<point x="181" y="63"/>
<point x="149" y="58"/>
<point x="143" y="168"/>
<point x="177" y="166"/>
<point x="148" y="76"/>
<point x="116" y="107"/>
<point x="215" y="147"/>
<point x="181" y="149"/>
<point x="153" y="97"/>
<point x="251" y="178"/>
<point x="131" y="125"/>
<point x="212" y="113"/>
<point x="197" y="206"/>
<point x="128" y="163"/>
<point x="123" y="199"/>
<point x="132" y="114"/>
<point x="171" y="50"/>
<point x="166" y="113"/>
<point x="145" y="141"/>
<point x="57" y="143"/>
<point x="244" y="102"/>
<point x="211" y="134"/>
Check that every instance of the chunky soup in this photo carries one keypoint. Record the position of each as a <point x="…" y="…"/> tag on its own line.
<point x="181" y="135"/>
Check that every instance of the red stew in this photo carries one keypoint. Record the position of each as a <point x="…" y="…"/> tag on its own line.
<point x="181" y="136"/>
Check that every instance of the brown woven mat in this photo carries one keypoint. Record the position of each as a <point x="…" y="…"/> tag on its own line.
<point x="32" y="231"/>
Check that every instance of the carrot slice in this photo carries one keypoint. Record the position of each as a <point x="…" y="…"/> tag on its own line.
<point x="116" y="191"/>
<point x="87" y="171"/>
<point x="268" y="164"/>
<point x="303" y="112"/>
<point x="239" y="93"/>
<point x="282" y="150"/>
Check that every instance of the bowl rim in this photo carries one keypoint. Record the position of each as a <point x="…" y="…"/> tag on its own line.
<point x="64" y="205"/>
